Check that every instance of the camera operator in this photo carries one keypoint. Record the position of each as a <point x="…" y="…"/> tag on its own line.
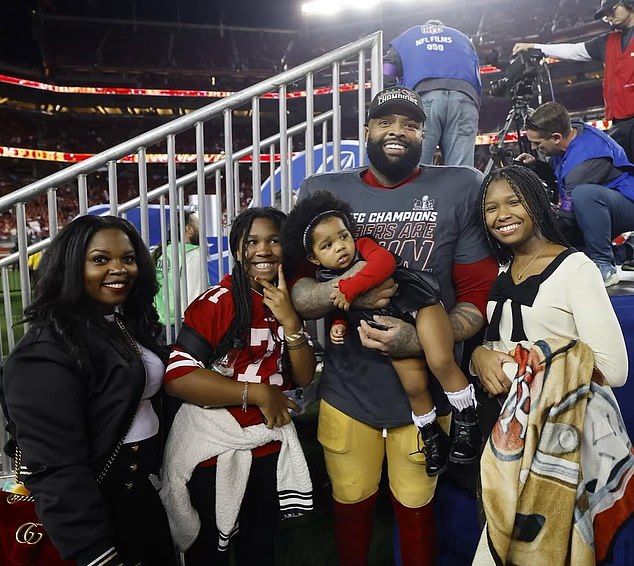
<point x="442" y="66"/>
<point x="615" y="50"/>
<point x="595" y="178"/>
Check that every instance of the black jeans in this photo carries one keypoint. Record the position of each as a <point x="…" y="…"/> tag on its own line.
<point x="258" y="517"/>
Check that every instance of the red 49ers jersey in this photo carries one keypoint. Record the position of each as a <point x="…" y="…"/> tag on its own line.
<point x="259" y="362"/>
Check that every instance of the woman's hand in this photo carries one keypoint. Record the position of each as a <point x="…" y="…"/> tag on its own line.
<point x="302" y="359"/>
<point x="278" y="300"/>
<point x="487" y="365"/>
<point x="273" y="404"/>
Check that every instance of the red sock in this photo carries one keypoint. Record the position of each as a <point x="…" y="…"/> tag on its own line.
<point x="353" y="531"/>
<point x="417" y="530"/>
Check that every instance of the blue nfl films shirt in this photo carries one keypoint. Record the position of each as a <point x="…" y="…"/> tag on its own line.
<point x="436" y="52"/>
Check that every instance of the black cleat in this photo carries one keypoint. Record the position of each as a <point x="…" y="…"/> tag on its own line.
<point x="436" y="448"/>
<point x="466" y="437"/>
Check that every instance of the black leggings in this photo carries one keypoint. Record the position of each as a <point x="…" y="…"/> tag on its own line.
<point x="259" y="517"/>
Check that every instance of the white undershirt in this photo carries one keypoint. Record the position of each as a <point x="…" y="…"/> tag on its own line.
<point x="566" y="51"/>
<point x="146" y="422"/>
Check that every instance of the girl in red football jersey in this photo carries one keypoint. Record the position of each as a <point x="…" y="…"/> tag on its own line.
<point x="242" y="342"/>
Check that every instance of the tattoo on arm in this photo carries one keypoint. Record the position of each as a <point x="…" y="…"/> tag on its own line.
<point x="466" y="320"/>
<point x="410" y="346"/>
<point x="311" y="299"/>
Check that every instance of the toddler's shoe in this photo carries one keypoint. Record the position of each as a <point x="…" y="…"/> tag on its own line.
<point x="466" y="437"/>
<point x="436" y="448"/>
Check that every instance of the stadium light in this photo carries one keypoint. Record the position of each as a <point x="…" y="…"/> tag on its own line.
<point x="331" y="7"/>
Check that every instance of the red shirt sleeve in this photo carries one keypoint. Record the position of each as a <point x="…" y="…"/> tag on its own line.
<point x="473" y="282"/>
<point x="210" y="315"/>
<point x="380" y="265"/>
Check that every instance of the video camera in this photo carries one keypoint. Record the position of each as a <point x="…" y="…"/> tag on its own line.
<point x="521" y="73"/>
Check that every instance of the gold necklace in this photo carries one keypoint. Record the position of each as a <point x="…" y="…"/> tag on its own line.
<point x="131" y="341"/>
<point x="521" y="273"/>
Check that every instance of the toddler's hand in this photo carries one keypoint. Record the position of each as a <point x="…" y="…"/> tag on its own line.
<point x="337" y="332"/>
<point x="339" y="299"/>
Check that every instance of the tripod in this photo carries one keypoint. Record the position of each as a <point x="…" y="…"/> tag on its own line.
<point x="516" y="117"/>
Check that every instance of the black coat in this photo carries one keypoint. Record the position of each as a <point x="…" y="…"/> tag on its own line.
<point x="67" y="424"/>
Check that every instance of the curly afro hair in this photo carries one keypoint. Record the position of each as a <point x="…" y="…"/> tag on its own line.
<point x="297" y="232"/>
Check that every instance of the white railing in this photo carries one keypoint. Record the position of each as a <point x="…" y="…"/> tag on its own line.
<point x="295" y="116"/>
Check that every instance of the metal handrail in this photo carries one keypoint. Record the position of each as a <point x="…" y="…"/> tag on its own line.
<point x="186" y="179"/>
<point x="182" y="123"/>
<point x="174" y="188"/>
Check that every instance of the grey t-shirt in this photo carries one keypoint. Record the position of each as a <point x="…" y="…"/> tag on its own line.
<point x="431" y="222"/>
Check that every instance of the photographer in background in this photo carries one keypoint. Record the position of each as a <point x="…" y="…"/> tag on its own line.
<point x="595" y="178"/>
<point x="441" y="65"/>
<point x="615" y="50"/>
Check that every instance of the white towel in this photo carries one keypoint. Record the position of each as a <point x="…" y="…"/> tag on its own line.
<point x="198" y="434"/>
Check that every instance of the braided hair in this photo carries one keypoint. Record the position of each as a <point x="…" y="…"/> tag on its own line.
<point x="237" y="336"/>
<point x="530" y="190"/>
<point x="297" y="233"/>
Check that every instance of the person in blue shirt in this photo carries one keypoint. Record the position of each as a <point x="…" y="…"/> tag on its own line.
<point x="441" y="64"/>
<point x="594" y="177"/>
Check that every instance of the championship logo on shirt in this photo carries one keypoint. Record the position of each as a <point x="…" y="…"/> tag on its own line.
<point x="425" y="203"/>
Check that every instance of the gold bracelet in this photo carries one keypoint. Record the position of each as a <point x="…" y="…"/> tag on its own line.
<point x="245" y="396"/>
<point x="291" y="338"/>
<point x="297" y="344"/>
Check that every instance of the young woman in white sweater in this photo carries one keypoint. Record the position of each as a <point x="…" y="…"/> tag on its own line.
<point x="545" y="289"/>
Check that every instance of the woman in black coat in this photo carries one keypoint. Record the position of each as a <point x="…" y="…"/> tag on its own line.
<point x="78" y="393"/>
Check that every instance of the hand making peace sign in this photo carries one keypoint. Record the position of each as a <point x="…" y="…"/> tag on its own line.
<point x="278" y="300"/>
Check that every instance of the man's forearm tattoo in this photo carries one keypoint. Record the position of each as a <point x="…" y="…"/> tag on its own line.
<point x="466" y="320"/>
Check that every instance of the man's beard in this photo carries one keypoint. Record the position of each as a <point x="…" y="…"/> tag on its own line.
<point x="395" y="169"/>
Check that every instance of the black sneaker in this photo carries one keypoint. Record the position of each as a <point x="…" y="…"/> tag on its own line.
<point x="466" y="437"/>
<point x="436" y="448"/>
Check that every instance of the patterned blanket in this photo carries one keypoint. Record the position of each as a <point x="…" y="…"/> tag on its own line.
<point x="557" y="468"/>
